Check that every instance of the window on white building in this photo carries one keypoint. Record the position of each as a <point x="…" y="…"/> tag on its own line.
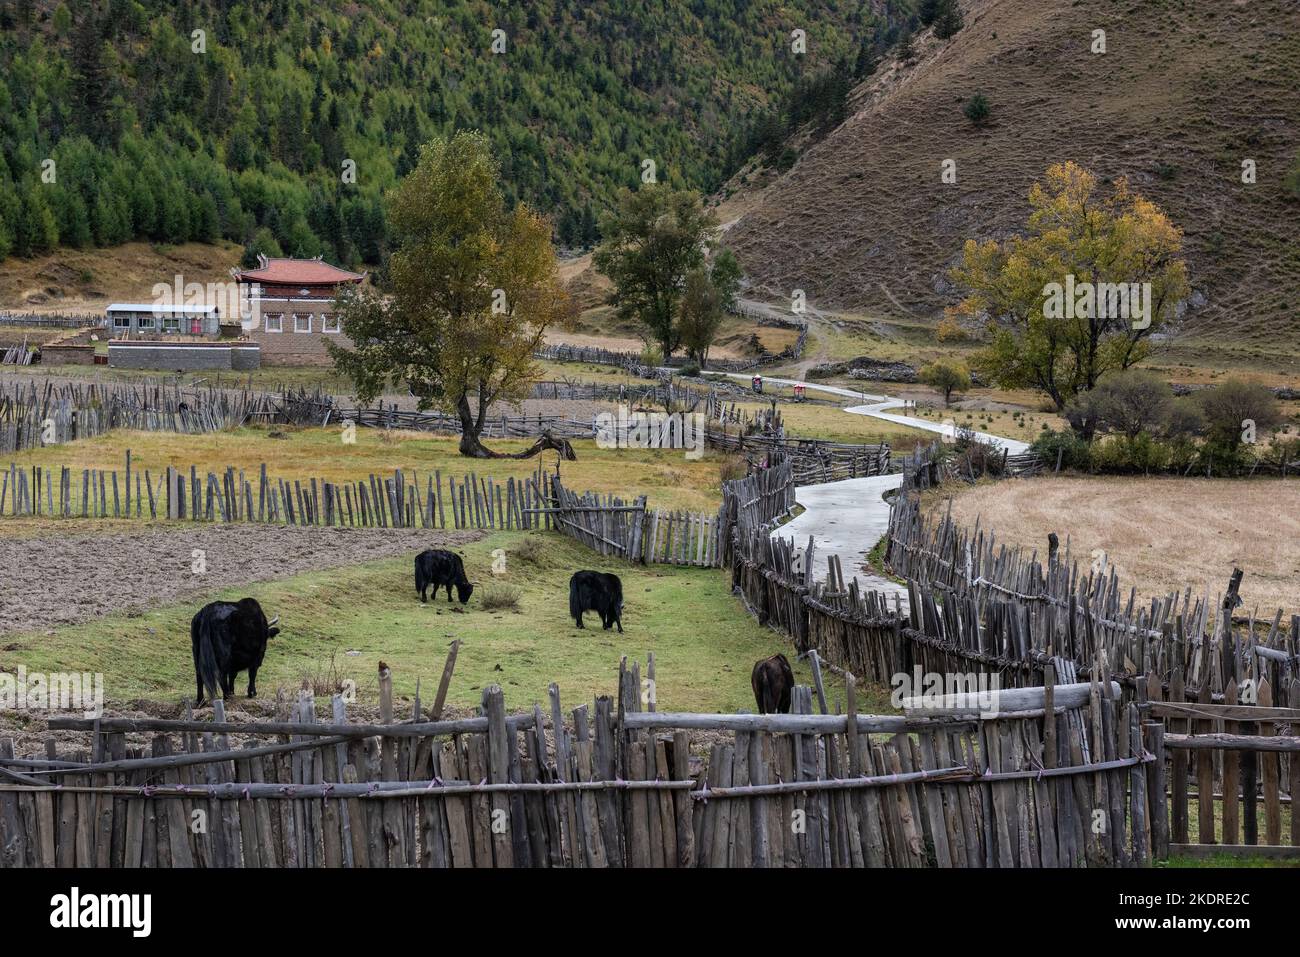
<point x="144" y="320"/>
<point x="302" y="322"/>
<point x="171" y="323"/>
<point x="274" y="321"/>
<point x="121" y="320"/>
<point x="329" y="322"/>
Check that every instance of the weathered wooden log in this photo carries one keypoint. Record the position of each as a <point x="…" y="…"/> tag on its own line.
<point x="399" y="730"/>
<point x="997" y="701"/>
<point x="1231" y="742"/>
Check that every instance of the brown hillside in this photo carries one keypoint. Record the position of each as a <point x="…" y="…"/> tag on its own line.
<point x="1186" y="90"/>
<point x="72" y="281"/>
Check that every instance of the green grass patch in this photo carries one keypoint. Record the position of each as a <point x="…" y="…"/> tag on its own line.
<point x="705" y="644"/>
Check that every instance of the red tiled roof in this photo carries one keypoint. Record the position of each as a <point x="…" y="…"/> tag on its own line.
<point x="298" y="272"/>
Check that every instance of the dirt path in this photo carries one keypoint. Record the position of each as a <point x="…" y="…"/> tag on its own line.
<point x="61" y="579"/>
<point x="815" y="353"/>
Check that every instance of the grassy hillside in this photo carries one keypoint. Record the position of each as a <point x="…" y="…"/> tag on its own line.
<point x="1186" y="90"/>
<point x="209" y="119"/>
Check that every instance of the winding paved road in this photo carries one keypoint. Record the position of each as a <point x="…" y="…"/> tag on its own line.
<point x="847" y="518"/>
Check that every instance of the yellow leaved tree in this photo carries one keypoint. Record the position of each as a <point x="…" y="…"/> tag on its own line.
<point x="1098" y="273"/>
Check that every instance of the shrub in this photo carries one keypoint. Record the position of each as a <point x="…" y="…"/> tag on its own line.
<point x="1184" y="419"/>
<point x="529" y="551"/>
<point x="652" y="356"/>
<point x="1125" y="455"/>
<point x="1133" y="401"/>
<point x="498" y="596"/>
<point x="1075" y="452"/>
<point x="691" y="369"/>
<point x="1231" y="407"/>
<point x="732" y="467"/>
<point x="950" y="330"/>
<point x="905" y="50"/>
<point x="977" y="109"/>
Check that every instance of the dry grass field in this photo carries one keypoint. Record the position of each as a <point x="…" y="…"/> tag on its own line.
<point x="1161" y="534"/>
<point x="666" y="476"/>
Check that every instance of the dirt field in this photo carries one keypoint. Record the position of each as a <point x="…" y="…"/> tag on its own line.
<point x="60" y="579"/>
<point x="1161" y="534"/>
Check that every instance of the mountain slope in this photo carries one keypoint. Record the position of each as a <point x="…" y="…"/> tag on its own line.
<point x="1186" y="91"/>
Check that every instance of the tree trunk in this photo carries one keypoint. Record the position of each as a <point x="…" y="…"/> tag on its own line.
<point x="470" y="429"/>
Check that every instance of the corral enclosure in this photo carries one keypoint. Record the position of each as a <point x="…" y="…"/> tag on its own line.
<point x="336" y="593"/>
<point x="1160" y="534"/>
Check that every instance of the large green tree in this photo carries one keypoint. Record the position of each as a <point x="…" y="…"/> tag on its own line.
<point x="654" y="237"/>
<point x="473" y="288"/>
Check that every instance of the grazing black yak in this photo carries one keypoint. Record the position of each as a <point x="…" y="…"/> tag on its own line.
<point x="437" y="567"/>
<point x="773" y="681"/>
<point x="599" y="592"/>
<point x="228" y="637"/>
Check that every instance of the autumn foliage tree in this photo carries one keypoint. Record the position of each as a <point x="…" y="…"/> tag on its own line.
<point x="473" y="289"/>
<point x="946" y="376"/>
<point x="1101" y="238"/>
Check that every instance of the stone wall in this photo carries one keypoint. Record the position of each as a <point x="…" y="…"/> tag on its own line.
<point x="67" y="354"/>
<point x="291" y="348"/>
<point x="239" y="356"/>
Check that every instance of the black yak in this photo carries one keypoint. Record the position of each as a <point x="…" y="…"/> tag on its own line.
<point x="227" y="638"/>
<point x="437" y="567"/>
<point x="599" y="592"/>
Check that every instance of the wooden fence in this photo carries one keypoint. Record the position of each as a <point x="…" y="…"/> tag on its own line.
<point x="1239" y="757"/>
<point x="612" y="786"/>
<point x="42" y="321"/>
<point x="814" y="461"/>
<point x="959" y="578"/>
<point x="964" y="459"/>
<point x="234" y="495"/>
<point x="494" y="427"/>
<point x="32" y="415"/>
<point x="18" y="355"/>
<point x="979" y="608"/>
<point x="631" y="361"/>
<point x="632" y="531"/>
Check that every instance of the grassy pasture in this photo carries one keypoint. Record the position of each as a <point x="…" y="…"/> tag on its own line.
<point x="705" y="644"/>
<point x="666" y="476"/>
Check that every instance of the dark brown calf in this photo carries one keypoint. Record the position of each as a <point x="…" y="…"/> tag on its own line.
<point x="773" y="681"/>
